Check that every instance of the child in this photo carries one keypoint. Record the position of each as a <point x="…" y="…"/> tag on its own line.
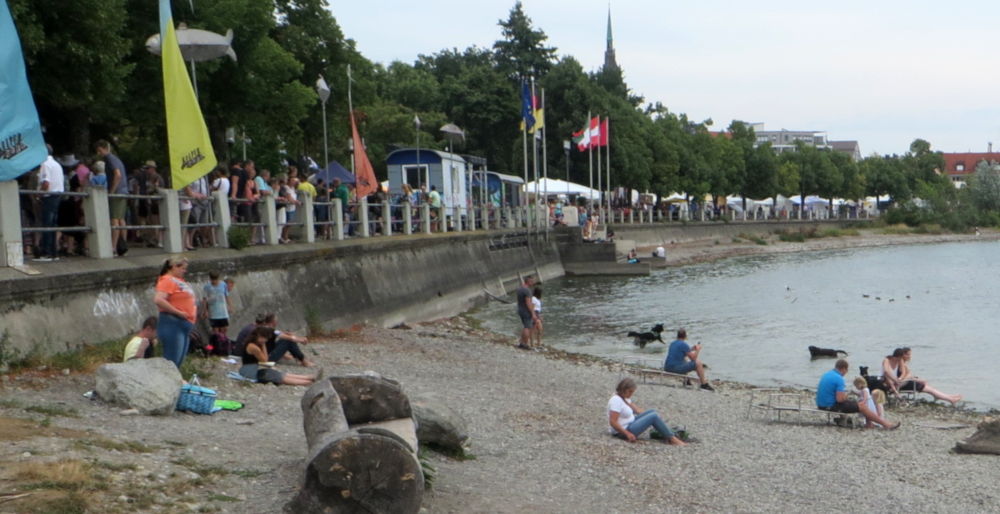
<point x="865" y="397"/>
<point x="216" y="308"/>
<point x="141" y="345"/>
<point x="99" y="179"/>
<point x="536" y="302"/>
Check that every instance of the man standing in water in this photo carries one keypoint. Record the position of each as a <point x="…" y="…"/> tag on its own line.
<point x="526" y="311"/>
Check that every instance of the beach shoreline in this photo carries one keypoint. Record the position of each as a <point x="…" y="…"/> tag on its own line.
<point x="537" y="426"/>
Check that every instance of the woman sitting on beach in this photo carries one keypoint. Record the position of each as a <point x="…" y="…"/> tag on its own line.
<point x="896" y="372"/>
<point x="256" y="366"/>
<point x="628" y="421"/>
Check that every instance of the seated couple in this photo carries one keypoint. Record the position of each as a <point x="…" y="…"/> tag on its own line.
<point x="280" y="344"/>
<point x="682" y="359"/>
<point x="628" y="421"/>
<point x="257" y="366"/>
<point x="831" y="395"/>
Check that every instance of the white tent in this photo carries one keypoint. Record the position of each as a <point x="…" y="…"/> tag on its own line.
<point x="554" y="186"/>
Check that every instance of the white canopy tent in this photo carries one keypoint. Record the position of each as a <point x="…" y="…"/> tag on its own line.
<point x="553" y="186"/>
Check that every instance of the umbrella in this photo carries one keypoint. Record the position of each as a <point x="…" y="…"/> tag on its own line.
<point x="335" y="170"/>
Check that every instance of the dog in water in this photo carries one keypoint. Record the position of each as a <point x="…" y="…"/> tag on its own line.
<point x="815" y="352"/>
<point x="641" y="339"/>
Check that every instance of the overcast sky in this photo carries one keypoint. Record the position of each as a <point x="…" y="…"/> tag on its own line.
<point x="881" y="72"/>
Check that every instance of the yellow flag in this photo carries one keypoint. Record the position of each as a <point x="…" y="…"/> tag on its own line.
<point x="190" y="148"/>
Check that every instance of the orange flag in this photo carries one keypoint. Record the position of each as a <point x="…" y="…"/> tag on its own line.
<point x="363" y="171"/>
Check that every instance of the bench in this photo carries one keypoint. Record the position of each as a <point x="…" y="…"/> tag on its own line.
<point x="775" y="402"/>
<point x="649" y="371"/>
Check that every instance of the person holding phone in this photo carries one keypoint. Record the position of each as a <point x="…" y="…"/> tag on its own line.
<point x="682" y="359"/>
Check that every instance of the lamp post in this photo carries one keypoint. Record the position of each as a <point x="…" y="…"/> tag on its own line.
<point x="323" y="90"/>
<point x="566" y="147"/>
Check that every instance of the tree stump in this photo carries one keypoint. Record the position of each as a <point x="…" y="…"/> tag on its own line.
<point x="365" y="462"/>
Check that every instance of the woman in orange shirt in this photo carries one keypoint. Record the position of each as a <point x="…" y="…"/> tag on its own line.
<point x="178" y="310"/>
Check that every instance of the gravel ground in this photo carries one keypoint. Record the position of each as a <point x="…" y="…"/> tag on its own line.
<point x="538" y="436"/>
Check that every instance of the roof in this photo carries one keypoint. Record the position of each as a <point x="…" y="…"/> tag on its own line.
<point x="967" y="160"/>
<point x="844" y="146"/>
<point x="427" y="156"/>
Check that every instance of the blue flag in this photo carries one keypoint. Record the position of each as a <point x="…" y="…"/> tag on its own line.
<point x="527" y="107"/>
<point x="22" y="147"/>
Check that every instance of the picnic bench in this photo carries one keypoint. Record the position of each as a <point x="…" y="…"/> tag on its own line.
<point x="650" y="371"/>
<point x="775" y="402"/>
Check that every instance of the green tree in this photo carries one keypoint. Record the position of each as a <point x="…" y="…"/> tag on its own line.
<point x="522" y="51"/>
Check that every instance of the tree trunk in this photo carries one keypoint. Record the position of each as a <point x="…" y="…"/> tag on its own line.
<point x="362" y="448"/>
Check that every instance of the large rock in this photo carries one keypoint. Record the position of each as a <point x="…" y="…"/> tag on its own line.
<point x="150" y="386"/>
<point x="985" y="440"/>
<point x="438" y="424"/>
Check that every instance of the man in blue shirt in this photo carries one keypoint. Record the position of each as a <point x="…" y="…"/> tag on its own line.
<point x="831" y="395"/>
<point x="683" y="358"/>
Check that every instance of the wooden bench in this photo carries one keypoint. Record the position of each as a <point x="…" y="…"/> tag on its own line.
<point x="775" y="402"/>
<point x="649" y="371"/>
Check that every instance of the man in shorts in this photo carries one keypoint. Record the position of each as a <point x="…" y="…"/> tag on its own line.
<point x="526" y="311"/>
<point x="117" y="185"/>
<point x="831" y="395"/>
<point x="682" y="359"/>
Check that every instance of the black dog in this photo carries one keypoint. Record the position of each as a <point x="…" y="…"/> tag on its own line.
<point x="815" y="352"/>
<point x="873" y="382"/>
<point x="641" y="339"/>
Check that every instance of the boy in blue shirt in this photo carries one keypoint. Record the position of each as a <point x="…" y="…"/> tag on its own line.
<point x="217" y="308"/>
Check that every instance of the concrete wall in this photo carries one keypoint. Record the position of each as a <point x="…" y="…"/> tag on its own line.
<point x="376" y="281"/>
<point x="665" y="233"/>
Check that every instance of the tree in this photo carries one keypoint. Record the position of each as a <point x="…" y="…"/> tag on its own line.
<point x="762" y="173"/>
<point x="984" y="186"/>
<point x="522" y="51"/>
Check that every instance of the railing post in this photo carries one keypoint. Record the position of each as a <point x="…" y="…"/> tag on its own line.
<point x="338" y="220"/>
<point x="363" y="219"/>
<point x="442" y="219"/>
<point x="425" y="218"/>
<point x="308" y="217"/>
<point x="220" y="209"/>
<point x="472" y="218"/>
<point x="509" y="216"/>
<point x="485" y="217"/>
<point x="407" y="218"/>
<point x="170" y="217"/>
<point x="272" y="232"/>
<point x="516" y="217"/>
<point x="98" y="216"/>
<point x="10" y="225"/>
<point x="457" y="219"/>
<point x="631" y="216"/>
<point x="386" y="218"/>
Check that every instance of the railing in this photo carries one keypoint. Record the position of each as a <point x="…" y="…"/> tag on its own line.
<point x="89" y="230"/>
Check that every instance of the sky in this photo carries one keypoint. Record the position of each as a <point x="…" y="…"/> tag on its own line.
<point x="883" y="73"/>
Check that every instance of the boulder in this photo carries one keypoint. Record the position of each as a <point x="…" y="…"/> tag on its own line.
<point x="985" y="440"/>
<point x="150" y="386"/>
<point x="438" y="424"/>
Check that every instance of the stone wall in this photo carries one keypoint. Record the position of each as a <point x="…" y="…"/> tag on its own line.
<point x="376" y="281"/>
<point x="665" y="233"/>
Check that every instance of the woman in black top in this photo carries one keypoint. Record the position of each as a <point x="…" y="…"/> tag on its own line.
<point x="255" y="354"/>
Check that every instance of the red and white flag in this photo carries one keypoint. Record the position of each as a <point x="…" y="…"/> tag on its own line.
<point x="604" y="135"/>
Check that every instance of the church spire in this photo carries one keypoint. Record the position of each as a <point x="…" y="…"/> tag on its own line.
<point x="609" y="55"/>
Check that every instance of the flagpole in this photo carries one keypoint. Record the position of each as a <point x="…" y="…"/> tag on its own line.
<point x="545" y="165"/>
<point x="590" y="164"/>
<point x="599" y="136"/>
<point x="524" y="146"/>
<point x="607" y="154"/>
<point x="350" y="112"/>
<point x="534" y="151"/>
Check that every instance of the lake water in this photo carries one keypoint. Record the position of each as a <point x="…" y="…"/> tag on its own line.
<point x="756" y="316"/>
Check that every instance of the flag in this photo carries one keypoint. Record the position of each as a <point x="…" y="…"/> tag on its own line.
<point x="190" y="147"/>
<point x="581" y="139"/>
<point x="527" y="107"/>
<point x="365" y="174"/>
<point x="595" y="131"/>
<point x="22" y="147"/>
<point x="604" y="135"/>
<point x="539" y="113"/>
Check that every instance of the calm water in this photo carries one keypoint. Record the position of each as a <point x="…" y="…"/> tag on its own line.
<point x="756" y="315"/>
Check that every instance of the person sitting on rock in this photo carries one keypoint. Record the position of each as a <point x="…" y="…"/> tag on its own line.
<point x="141" y="345"/>
<point x="256" y="365"/>
<point x="683" y="359"/>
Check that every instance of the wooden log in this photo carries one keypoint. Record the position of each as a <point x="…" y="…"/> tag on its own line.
<point x="370" y="398"/>
<point x="322" y="412"/>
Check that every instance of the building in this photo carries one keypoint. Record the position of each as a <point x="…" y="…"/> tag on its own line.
<point x="427" y="167"/>
<point x="851" y="148"/>
<point x="610" y="64"/>
<point x="958" y="166"/>
<point x="784" y="140"/>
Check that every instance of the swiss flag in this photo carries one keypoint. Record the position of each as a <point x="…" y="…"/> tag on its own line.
<point x="595" y="131"/>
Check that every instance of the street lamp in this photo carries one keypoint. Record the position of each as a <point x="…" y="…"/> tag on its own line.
<point x="566" y="147"/>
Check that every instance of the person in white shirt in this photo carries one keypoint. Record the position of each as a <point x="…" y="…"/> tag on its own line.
<point x="52" y="182"/>
<point x="628" y="421"/>
<point x="536" y="303"/>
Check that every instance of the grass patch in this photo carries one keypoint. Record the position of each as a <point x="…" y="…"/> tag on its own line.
<point x="85" y="359"/>
<point x="223" y="498"/>
<point x="897" y="230"/>
<point x="201" y="469"/>
<point x="239" y="237"/>
<point x="838" y="232"/>
<point x="72" y="503"/>
<point x="115" y="467"/>
<point x="175" y="443"/>
<point x="197" y="366"/>
<point x="53" y="410"/>
<point x="107" y="444"/>
<point x="64" y="475"/>
<point x="791" y="237"/>
<point x="753" y="238"/>
<point x="249" y="473"/>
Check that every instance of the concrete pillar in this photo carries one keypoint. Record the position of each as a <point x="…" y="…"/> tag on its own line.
<point x="220" y="209"/>
<point x="631" y="216"/>
<point x="170" y="217"/>
<point x="642" y="216"/>
<point x="98" y="216"/>
<point x="272" y="232"/>
<point x="338" y="219"/>
<point x="308" y="217"/>
<point x="10" y="225"/>
<point x="485" y="217"/>
<point x="386" y="218"/>
<point x="659" y="215"/>
<point x="425" y="218"/>
<point x="363" y="218"/>
<point x="516" y="217"/>
<point x="407" y="218"/>
<point x="443" y="218"/>
<point x="457" y="219"/>
<point x="471" y="221"/>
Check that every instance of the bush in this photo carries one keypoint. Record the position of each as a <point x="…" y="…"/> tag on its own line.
<point x="239" y="237"/>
